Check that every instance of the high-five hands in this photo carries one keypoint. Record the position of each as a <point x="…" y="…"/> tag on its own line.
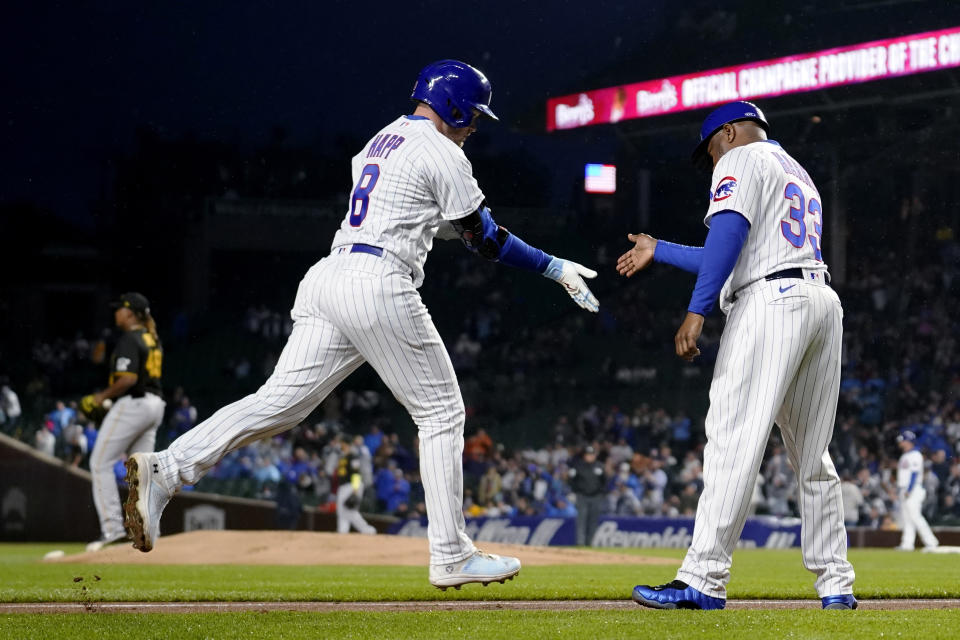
<point x="569" y="274"/>
<point x="639" y="257"/>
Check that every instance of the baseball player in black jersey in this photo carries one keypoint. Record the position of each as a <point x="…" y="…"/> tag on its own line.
<point x="135" y="409"/>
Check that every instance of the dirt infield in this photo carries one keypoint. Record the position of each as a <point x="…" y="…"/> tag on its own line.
<point x="314" y="548"/>
<point x="461" y="605"/>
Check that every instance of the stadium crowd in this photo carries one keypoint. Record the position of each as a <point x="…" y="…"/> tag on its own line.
<point x="901" y="370"/>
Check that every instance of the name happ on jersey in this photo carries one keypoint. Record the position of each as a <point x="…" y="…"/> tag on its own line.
<point x="383" y="144"/>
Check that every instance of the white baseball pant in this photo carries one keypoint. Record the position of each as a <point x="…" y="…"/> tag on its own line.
<point x="129" y="427"/>
<point x="353" y="308"/>
<point x="911" y="513"/>
<point x="779" y="360"/>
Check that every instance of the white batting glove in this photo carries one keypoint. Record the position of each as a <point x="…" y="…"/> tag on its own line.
<point x="569" y="274"/>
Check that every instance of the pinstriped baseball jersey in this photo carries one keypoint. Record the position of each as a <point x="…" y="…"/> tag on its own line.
<point x="761" y="182"/>
<point x="910" y="463"/>
<point x="779" y="361"/>
<point x="407" y="179"/>
<point x="363" y="306"/>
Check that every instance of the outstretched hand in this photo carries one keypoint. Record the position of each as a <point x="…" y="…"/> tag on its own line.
<point x="571" y="275"/>
<point x="639" y="257"/>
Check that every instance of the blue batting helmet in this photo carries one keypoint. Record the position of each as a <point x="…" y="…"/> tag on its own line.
<point x="730" y="112"/>
<point x="454" y="89"/>
<point x="907" y="436"/>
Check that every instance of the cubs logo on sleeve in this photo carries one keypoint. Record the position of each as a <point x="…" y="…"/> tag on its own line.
<point x="726" y="188"/>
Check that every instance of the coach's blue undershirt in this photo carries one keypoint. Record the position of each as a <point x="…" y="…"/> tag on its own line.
<point x="679" y="255"/>
<point x="713" y="262"/>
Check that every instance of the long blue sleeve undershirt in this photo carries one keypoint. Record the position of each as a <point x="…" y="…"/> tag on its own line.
<point x="679" y="255"/>
<point x="514" y="252"/>
<point x="713" y="262"/>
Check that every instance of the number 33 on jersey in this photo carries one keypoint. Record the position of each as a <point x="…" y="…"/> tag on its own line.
<point x="761" y="182"/>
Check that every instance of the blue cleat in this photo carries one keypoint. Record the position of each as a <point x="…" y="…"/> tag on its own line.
<point x="839" y="602"/>
<point x="675" y="595"/>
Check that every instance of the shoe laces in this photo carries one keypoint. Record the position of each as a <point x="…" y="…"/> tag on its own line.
<point x="679" y="585"/>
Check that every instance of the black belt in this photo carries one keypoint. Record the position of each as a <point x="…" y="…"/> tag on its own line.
<point x="367" y="248"/>
<point x="796" y="272"/>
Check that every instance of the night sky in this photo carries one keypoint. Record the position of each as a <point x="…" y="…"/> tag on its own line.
<point x="78" y="80"/>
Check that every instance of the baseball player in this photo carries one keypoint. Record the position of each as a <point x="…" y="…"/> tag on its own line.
<point x="912" y="495"/>
<point x="361" y="304"/>
<point x="779" y="358"/>
<point x="349" y="494"/>
<point x="135" y="409"/>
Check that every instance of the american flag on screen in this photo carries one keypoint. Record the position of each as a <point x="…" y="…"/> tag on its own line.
<point x="600" y="178"/>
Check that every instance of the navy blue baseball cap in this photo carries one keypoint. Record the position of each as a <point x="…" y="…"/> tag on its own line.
<point x="907" y="436"/>
<point x="725" y="114"/>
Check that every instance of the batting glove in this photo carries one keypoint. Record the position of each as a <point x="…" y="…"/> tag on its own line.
<point x="568" y="273"/>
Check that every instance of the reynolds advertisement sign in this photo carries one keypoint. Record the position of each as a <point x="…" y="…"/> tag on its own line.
<point x="613" y="531"/>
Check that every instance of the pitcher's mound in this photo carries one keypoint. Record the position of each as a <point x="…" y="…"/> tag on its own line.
<point x="313" y="548"/>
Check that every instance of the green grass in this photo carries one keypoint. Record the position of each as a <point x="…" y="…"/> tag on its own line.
<point x="491" y="625"/>
<point x="755" y="574"/>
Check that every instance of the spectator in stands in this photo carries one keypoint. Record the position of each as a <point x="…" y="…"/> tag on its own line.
<point x="266" y="472"/>
<point x="183" y="419"/>
<point x="654" y="484"/>
<point x="681" y="432"/>
<point x="560" y="508"/>
<point x="399" y="491"/>
<point x="360" y="451"/>
<point x="852" y="500"/>
<point x="623" y="501"/>
<point x="61" y="416"/>
<point x="688" y="500"/>
<point x="489" y="487"/>
<point x="10" y="410"/>
<point x="373" y="439"/>
<point x="75" y="442"/>
<point x="478" y="447"/>
<point x="323" y="487"/>
<point x="383" y="481"/>
<point x="44" y="439"/>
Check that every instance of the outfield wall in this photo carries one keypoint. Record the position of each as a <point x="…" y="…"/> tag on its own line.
<point x="43" y="499"/>
<point x="646" y="532"/>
